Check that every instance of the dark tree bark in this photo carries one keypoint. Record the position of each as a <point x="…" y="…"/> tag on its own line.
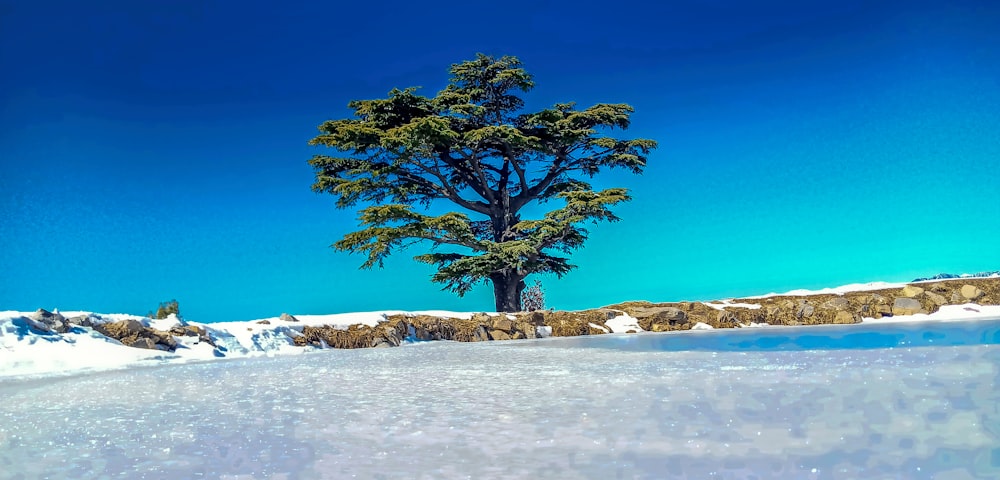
<point x="507" y="290"/>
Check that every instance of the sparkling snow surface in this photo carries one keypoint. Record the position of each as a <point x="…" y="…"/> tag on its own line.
<point x="525" y="409"/>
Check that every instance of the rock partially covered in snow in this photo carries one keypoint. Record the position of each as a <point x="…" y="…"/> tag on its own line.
<point x="907" y="306"/>
<point x="50" y="322"/>
<point x="133" y="333"/>
<point x="624" y="323"/>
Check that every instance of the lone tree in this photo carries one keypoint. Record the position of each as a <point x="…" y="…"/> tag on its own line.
<point x="470" y="146"/>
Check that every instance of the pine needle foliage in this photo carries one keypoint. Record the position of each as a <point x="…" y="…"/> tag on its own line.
<point x="166" y="309"/>
<point x="472" y="146"/>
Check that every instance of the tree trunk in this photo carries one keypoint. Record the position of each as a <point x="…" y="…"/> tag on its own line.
<point x="507" y="292"/>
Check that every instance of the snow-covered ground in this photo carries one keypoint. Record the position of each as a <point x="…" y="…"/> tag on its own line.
<point x="25" y="352"/>
<point x="522" y="409"/>
<point x="969" y="311"/>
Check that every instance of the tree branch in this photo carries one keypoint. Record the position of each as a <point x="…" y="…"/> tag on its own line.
<point x="450" y="192"/>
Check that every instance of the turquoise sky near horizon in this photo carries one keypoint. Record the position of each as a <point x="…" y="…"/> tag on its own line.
<point x="156" y="152"/>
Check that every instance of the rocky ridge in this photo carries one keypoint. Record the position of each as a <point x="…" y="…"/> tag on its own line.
<point x="815" y="309"/>
<point x="394" y="330"/>
<point x="130" y="332"/>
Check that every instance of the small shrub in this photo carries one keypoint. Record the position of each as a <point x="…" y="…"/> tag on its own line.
<point x="165" y="309"/>
<point x="533" y="298"/>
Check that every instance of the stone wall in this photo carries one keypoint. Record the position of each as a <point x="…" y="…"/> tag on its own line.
<point x="817" y="309"/>
<point x="924" y="297"/>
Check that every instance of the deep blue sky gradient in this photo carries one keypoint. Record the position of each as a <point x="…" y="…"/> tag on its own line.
<point x="158" y="152"/>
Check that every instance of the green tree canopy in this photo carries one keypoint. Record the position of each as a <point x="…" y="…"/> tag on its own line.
<point x="472" y="146"/>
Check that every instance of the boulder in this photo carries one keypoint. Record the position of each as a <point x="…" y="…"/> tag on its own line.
<point x="163" y="339"/>
<point x="55" y="322"/>
<point x="480" y="334"/>
<point x="527" y="329"/>
<point x="837" y="303"/>
<point x="133" y="333"/>
<point x="394" y="334"/>
<point x="659" y="319"/>
<point x="287" y="318"/>
<point x="500" y="335"/>
<point x="264" y="322"/>
<point x="845" y="317"/>
<point x="874" y="305"/>
<point x="81" y="320"/>
<point x="938" y="287"/>
<point x="483" y="318"/>
<point x="186" y="331"/>
<point x="805" y="310"/>
<point x="907" y="306"/>
<point x="937" y="299"/>
<point x="911" y="291"/>
<point x="121" y="329"/>
<point x="503" y="323"/>
<point x="725" y="318"/>
<point x="971" y="292"/>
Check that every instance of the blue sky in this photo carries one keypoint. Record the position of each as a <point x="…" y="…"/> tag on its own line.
<point x="158" y="152"/>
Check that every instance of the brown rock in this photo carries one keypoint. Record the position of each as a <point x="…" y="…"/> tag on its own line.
<point x="936" y="298"/>
<point x="264" y="322"/>
<point x="725" y="318"/>
<point x="659" y="318"/>
<point x="480" y="335"/>
<point x="907" y="306"/>
<point x="81" y="320"/>
<point x="664" y="314"/>
<point x="287" y="318"/>
<point x="503" y="323"/>
<point x="837" y="303"/>
<point x="527" y="329"/>
<point x="844" y="317"/>
<point x="971" y="292"/>
<point x="141" y="343"/>
<point x="659" y="327"/>
<point x="121" y="329"/>
<point x="500" y="335"/>
<point x="911" y="291"/>
<point x="394" y="333"/>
